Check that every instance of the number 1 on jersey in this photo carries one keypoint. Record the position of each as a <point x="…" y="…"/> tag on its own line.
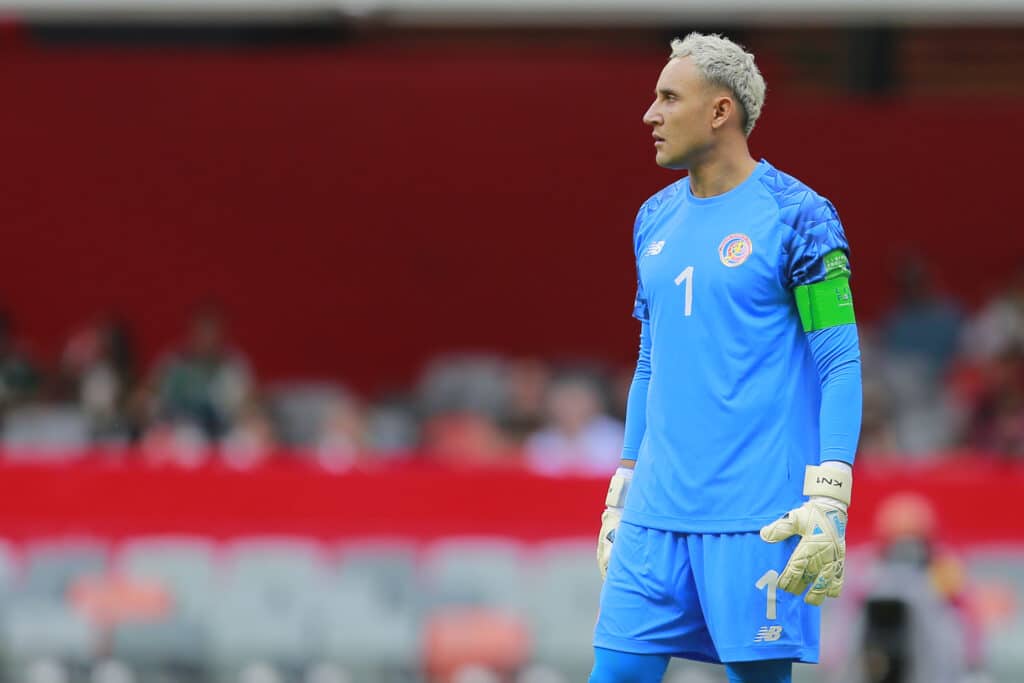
<point x="687" y="277"/>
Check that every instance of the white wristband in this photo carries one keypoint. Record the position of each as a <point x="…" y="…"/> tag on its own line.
<point x="825" y="480"/>
<point x="619" y="487"/>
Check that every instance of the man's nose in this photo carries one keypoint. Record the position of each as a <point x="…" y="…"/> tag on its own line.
<point x="651" y="116"/>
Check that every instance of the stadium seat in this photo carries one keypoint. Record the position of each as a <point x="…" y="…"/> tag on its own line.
<point x="8" y="570"/>
<point x="540" y="673"/>
<point x="388" y="567"/>
<point x="282" y="576"/>
<point x="175" y="648"/>
<point x="242" y="633"/>
<point x="52" y="566"/>
<point x="41" y="627"/>
<point x="299" y="409"/>
<point x="274" y="559"/>
<point x="112" y="671"/>
<point x="481" y="571"/>
<point x="565" y="588"/>
<point x="370" y="638"/>
<point x="371" y="614"/>
<point x="43" y="670"/>
<point x="181" y="564"/>
<point x="323" y="672"/>
<point x="269" y="601"/>
<point x="50" y="432"/>
<point x="1004" y="655"/>
<point x="1002" y="564"/>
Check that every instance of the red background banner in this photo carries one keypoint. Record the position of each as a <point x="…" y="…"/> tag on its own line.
<point x="425" y="502"/>
<point x="358" y="211"/>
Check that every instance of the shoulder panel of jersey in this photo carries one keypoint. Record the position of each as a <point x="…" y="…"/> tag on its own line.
<point x="650" y="207"/>
<point x="815" y="228"/>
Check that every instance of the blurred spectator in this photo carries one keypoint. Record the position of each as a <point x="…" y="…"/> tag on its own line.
<point x="579" y="438"/>
<point x="206" y="382"/>
<point x="915" y="626"/>
<point x="19" y="378"/>
<point x="527" y="382"/>
<point x="876" y="433"/>
<point x="997" y="419"/>
<point x="1000" y="324"/>
<point x="250" y="441"/>
<point x="622" y="382"/>
<point x="465" y="438"/>
<point x="169" y="442"/>
<point x="906" y="407"/>
<point x="97" y="370"/>
<point x="463" y="382"/>
<point x="392" y="426"/>
<point x="342" y="436"/>
<point x="923" y="324"/>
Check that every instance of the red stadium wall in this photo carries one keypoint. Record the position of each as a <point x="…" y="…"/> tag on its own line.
<point x="426" y="502"/>
<point x="357" y="211"/>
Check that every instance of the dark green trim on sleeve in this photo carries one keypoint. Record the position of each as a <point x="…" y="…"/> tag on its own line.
<point x="828" y="303"/>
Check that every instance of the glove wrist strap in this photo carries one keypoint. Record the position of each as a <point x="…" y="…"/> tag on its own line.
<point x="829" y="482"/>
<point x="618" y="488"/>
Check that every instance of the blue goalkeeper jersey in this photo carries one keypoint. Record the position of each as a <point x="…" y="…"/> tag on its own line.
<point x="732" y="405"/>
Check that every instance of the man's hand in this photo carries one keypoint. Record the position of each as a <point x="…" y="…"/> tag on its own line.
<point x="615" y="501"/>
<point x="819" y="557"/>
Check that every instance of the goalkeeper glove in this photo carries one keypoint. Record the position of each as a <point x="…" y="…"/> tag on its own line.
<point x="615" y="501"/>
<point x="820" y="555"/>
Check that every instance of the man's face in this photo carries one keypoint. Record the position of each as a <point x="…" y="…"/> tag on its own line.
<point x="681" y="114"/>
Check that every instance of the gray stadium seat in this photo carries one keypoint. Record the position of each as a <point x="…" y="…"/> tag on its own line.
<point x="244" y="632"/>
<point x="8" y="569"/>
<point x="279" y="575"/>
<point x="37" y="627"/>
<point x="998" y="563"/>
<point x="174" y="647"/>
<point x="45" y="432"/>
<point x="565" y="587"/>
<point x="1004" y="654"/>
<point x="275" y="559"/>
<point x="299" y="409"/>
<point x="184" y="565"/>
<point x="483" y="571"/>
<point x="369" y="638"/>
<point x="387" y="565"/>
<point x="268" y="603"/>
<point x="52" y="566"/>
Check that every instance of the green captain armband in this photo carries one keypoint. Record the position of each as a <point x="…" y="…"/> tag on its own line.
<point x="828" y="303"/>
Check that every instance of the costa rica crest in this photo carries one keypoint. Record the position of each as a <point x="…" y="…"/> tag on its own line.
<point x="735" y="249"/>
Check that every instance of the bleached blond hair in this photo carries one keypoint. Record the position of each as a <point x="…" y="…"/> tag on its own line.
<point x="725" y="63"/>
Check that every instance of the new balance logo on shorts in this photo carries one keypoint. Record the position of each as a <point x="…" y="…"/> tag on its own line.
<point x="768" y="634"/>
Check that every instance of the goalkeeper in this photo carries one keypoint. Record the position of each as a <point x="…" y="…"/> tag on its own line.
<point x="744" y="412"/>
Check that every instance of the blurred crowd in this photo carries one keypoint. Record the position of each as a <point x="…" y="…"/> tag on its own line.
<point x="936" y="379"/>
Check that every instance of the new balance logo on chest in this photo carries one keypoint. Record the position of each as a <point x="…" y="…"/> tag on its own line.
<point x="655" y="248"/>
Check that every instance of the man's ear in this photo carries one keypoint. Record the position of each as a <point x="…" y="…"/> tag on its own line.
<point x="724" y="110"/>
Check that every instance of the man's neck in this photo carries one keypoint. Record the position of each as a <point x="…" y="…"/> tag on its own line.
<point x="718" y="175"/>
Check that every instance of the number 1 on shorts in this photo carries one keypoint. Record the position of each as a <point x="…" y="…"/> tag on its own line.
<point x="770" y="579"/>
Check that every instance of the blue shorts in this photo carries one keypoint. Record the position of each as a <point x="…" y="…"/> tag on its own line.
<point x="709" y="597"/>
